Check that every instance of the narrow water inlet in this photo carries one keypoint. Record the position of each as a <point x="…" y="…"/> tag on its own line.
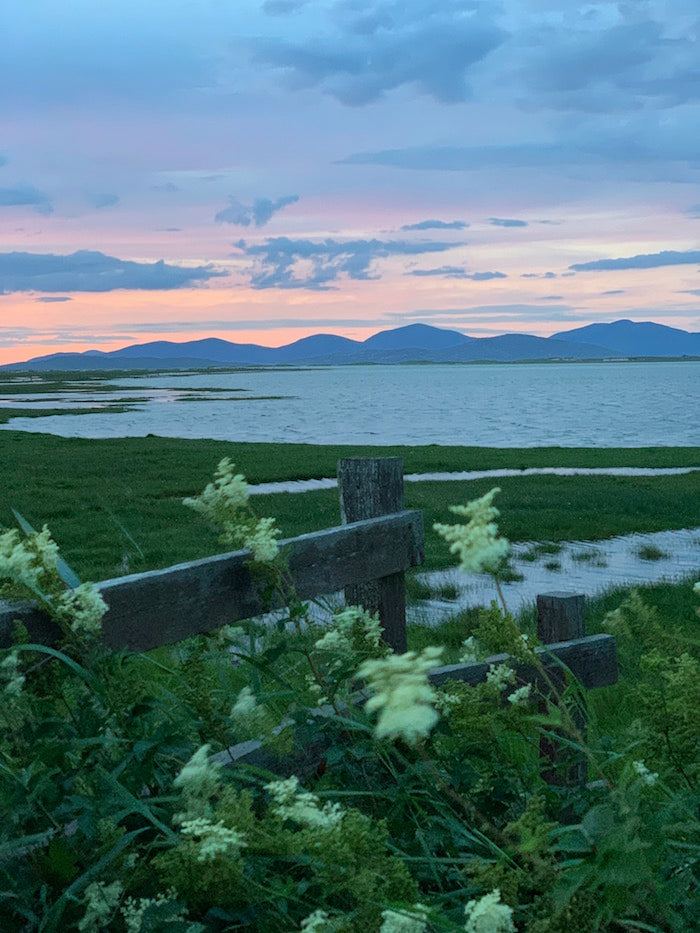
<point x="588" y="567"/>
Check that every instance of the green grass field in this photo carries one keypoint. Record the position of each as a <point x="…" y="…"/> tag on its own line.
<point x="115" y="505"/>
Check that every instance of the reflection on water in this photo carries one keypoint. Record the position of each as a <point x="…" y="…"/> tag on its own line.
<point x="505" y="405"/>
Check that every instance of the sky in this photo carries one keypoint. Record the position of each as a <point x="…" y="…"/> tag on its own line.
<point x="261" y="170"/>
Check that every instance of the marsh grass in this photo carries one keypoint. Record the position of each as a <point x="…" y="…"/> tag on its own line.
<point x="650" y="552"/>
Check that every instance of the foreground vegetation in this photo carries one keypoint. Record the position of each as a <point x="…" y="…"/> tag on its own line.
<point x="114" y="504"/>
<point x="419" y="810"/>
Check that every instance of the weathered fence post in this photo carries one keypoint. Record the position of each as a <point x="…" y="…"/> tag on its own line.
<point x="368" y="488"/>
<point x="562" y="617"/>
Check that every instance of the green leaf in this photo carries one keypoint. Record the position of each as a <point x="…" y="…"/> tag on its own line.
<point x="65" y="572"/>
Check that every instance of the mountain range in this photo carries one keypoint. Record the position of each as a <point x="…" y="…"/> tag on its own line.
<point x="414" y="342"/>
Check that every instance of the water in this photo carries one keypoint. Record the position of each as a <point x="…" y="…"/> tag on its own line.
<point x="505" y="405"/>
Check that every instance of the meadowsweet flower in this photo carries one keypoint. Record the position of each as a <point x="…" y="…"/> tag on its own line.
<point x="134" y="909"/>
<point x="214" y="838"/>
<point x="228" y="493"/>
<point x="10" y="673"/>
<point x="199" y="778"/>
<point x="317" y="922"/>
<point x="648" y="777"/>
<point x="100" y="901"/>
<point x="83" y="609"/>
<point x="476" y="543"/>
<point x="27" y="561"/>
<point x="488" y="915"/>
<point x="402" y="693"/>
<point x="520" y="696"/>
<point x="696" y="588"/>
<point x="247" y="714"/>
<point x="301" y="806"/>
<point x="404" y="921"/>
<point x="499" y="676"/>
<point x="261" y="541"/>
<point x="349" y="626"/>
<point x="469" y="649"/>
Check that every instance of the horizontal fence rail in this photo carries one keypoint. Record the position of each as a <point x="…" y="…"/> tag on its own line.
<point x="161" y="607"/>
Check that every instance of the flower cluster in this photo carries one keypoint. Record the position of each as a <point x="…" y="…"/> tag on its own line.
<point x="82" y="609"/>
<point x="248" y="716"/>
<point x="301" y="806"/>
<point x="404" y="921"/>
<point x="214" y="838"/>
<point x="476" y="543"/>
<point x="100" y="901"/>
<point x="521" y="695"/>
<point x="499" y="676"/>
<point x="488" y="915"/>
<point x="351" y="629"/>
<point x="402" y="693"/>
<point x="225" y="503"/>
<point x="648" y="777"/>
<point x="134" y="910"/>
<point x="27" y="561"/>
<point x="198" y="780"/>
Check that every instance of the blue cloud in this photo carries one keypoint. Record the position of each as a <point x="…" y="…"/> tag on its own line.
<point x="26" y="196"/>
<point x="538" y="275"/>
<point x="363" y="52"/>
<point x="456" y="272"/>
<point x="437" y="225"/>
<point x="693" y="211"/>
<point x="91" y="271"/>
<point x="667" y="257"/>
<point x="257" y="213"/>
<point x="168" y="187"/>
<point x="106" y="200"/>
<point x="275" y="260"/>
<point x="614" y="291"/>
<point x="51" y="299"/>
<point x="506" y="222"/>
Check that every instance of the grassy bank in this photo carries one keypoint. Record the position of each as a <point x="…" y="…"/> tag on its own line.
<point x="115" y="505"/>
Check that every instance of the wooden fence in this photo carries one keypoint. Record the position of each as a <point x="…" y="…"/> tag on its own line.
<point x="366" y="556"/>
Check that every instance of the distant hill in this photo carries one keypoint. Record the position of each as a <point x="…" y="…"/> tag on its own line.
<point x="415" y="342"/>
<point x="630" y="338"/>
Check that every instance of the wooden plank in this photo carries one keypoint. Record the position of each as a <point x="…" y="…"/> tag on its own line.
<point x="162" y="607"/>
<point x="592" y="659"/>
<point x="562" y="616"/>
<point x="369" y="487"/>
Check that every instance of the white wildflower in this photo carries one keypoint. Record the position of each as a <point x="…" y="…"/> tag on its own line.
<point x="247" y="714"/>
<point x="696" y="588"/>
<point x="261" y="541"/>
<point x="488" y="915"/>
<point x="499" y="676"/>
<point x="353" y="619"/>
<point x="469" y="650"/>
<point x="133" y="910"/>
<point x="521" y="695"/>
<point x="199" y="777"/>
<point x="301" y="806"/>
<point x="100" y="901"/>
<point x="404" y="921"/>
<point x="648" y="777"/>
<point x="27" y="561"/>
<point x="228" y="493"/>
<point x="476" y="543"/>
<point x="10" y="673"/>
<point x="83" y="609"/>
<point x="317" y="922"/>
<point x="214" y="838"/>
<point x="403" y="693"/>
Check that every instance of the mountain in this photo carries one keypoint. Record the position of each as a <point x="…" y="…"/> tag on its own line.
<point x="630" y="338"/>
<point x="421" y="336"/>
<point x="413" y="343"/>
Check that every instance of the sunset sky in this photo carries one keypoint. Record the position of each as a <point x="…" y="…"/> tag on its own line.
<point x="261" y="171"/>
